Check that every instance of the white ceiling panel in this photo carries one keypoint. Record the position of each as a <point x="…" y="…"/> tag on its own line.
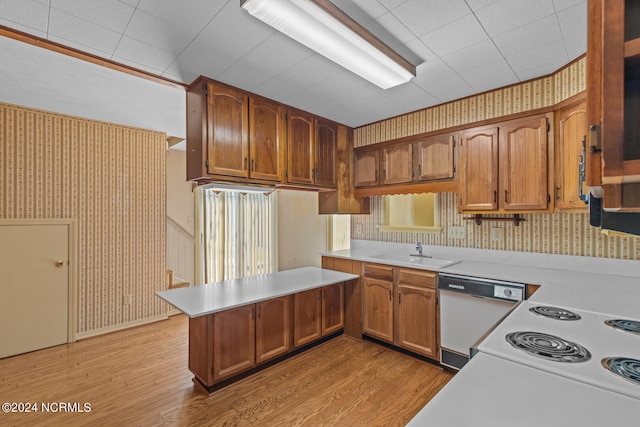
<point x="85" y="33"/>
<point x="26" y="13"/>
<point x="505" y="15"/>
<point x="423" y="16"/>
<point x="448" y="38"/>
<point x="540" y="32"/>
<point x="460" y="47"/>
<point x="110" y="14"/>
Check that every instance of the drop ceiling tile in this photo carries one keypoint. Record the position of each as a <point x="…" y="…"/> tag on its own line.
<point x="540" y="32"/>
<point x="479" y="4"/>
<point x="144" y="54"/>
<point x="448" y="38"/>
<point x="421" y="51"/>
<point x="429" y="71"/>
<point x="447" y="88"/>
<point x="408" y="97"/>
<point x="279" y="52"/>
<point x="279" y="88"/>
<point x="79" y="46"/>
<point x="137" y="65"/>
<point x="473" y="56"/>
<point x="190" y="15"/>
<point x="238" y="31"/>
<point x="505" y="15"/>
<point x="192" y="62"/>
<point x="23" y="28"/>
<point x="359" y="9"/>
<point x="394" y="27"/>
<point x="27" y="13"/>
<point x="133" y="3"/>
<point x="542" y="59"/>
<point x="111" y="14"/>
<point x="82" y="32"/>
<point x="574" y="20"/>
<point x="391" y="4"/>
<point x="576" y="45"/>
<point x="566" y="4"/>
<point x="159" y="33"/>
<point x="246" y="74"/>
<point x="312" y="70"/>
<point x="423" y="16"/>
<point x="489" y="76"/>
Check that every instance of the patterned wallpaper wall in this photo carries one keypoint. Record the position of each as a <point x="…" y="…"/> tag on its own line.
<point x="562" y="233"/>
<point x="111" y="179"/>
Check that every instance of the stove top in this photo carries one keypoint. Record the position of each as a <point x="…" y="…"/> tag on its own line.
<point x="554" y="313"/>
<point x="624" y="325"/>
<point x="587" y="349"/>
<point x="549" y="347"/>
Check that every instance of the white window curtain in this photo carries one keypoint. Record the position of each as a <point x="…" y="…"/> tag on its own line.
<point x="238" y="233"/>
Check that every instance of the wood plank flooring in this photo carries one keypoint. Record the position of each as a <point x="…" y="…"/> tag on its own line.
<point x="139" y="377"/>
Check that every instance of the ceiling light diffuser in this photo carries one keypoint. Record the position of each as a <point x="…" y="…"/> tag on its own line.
<point x="321" y="26"/>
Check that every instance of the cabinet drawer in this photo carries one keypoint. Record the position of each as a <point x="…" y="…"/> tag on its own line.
<point x="425" y="279"/>
<point x="378" y="271"/>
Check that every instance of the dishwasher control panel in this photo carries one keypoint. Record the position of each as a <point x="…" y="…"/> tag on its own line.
<point x="508" y="292"/>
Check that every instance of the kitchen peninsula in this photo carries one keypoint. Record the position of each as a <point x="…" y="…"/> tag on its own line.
<point x="237" y="326"/>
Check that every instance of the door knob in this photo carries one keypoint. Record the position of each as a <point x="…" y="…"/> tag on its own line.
<point x="59" y="263"/>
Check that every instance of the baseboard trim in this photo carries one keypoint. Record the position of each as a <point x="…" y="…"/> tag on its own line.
<point x="121" y="326"/>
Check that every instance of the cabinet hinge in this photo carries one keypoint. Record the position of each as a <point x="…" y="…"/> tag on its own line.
<point x="286" y="116"/>
<point x="206" y="163"/>
<point x="548" y="198"/>
<point x="286" y="174"/>
<point x="548" y="126"/>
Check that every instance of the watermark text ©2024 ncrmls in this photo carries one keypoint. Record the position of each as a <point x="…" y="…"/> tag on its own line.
<point x="52" y="407"/>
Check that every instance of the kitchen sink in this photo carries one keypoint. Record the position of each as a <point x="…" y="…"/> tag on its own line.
<point x="414" y="260"/>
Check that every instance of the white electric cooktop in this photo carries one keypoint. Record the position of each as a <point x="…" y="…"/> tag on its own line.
<point x="577" y="346"/>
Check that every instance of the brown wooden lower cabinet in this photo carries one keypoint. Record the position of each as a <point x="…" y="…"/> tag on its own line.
<point x="234" y="345"/>
<point x="307" y="317"/>
<point x="273" y="328"/>
<point x="378" y="308"/>
<point x="352" y="294"/>
<point x="332" y="308"/>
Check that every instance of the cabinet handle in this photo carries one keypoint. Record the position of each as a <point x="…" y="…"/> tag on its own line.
<point x="253" y="164"/>
<point x="399" y="297"/>
<point x="557" y="192"/>
<point x="495" y="196"/>
<point x="246" y="163"/>
<point x="390" y="295"/>
<point x="505" y="196"/>
<point x="419" y="171"/>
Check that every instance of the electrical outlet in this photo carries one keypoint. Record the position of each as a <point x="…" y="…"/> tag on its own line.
<point x="127" y="299"/>
<point x="456" y="232"/>
<point x="359" y="229"/>
<point x="497" y="234"/>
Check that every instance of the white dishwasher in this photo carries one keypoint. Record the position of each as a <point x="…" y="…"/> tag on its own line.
<point x="469" y="307"/>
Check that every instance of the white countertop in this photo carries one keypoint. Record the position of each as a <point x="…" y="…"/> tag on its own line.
<point x="490" y="391"/>
<point x="210" y="298"/>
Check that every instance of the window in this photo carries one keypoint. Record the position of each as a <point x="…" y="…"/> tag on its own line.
<point x="411" y="213"/>
<point x="237" y="230"/>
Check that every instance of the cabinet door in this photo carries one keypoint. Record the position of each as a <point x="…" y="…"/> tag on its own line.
<point x="234" y="337"/>
<point x="397" y="164"/>
<point x="416" y="319"/>
<point x="378" y="308"/>
<point x="307" y="325"/>
<point x="227" y="131"/>
<point x="325" y="156"/>
<point x="266" y="139"/>
<point x="478" y="185"/>
<point x="433" y="158"/>
<point x="332" y="308"/>
<point x="571" y="128"/>
<point x="301" y="134"/>
<point x="366" y="166"/>
<point x="273" y="328"/>
<point x="523" y="164"/>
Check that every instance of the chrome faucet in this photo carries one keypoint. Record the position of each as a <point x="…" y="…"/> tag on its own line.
<point x="419" y="248"/>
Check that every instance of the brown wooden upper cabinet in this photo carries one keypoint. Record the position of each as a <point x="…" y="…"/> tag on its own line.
<point x="312" y="150"/>
<point x="505" y="167"/>
<point x="227" y="131"/>
<point x="570" y="129"/>
<point x="233" y="136"/>
<point x="613" y="102"/>
<point x="433" y="157"/>
<point x="415" y="161"/>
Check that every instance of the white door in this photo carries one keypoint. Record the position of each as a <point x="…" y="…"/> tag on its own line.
<point x="34" y="287"/>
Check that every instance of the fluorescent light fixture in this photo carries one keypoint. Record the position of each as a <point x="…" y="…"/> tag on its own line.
<point x="321" y="26"/>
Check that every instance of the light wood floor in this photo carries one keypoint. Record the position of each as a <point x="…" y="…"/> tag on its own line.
<point x="140" y="377"/>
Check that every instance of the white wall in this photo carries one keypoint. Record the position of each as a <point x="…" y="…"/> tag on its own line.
<point x="34" y="77"/>
<point x="302" y="232"/>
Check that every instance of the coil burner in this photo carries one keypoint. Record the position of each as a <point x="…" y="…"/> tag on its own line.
<point x="625" y="325"/>
<point x="554" y="313"/>
<point x="624" y="367"/>
<point x="549" y="347"/>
